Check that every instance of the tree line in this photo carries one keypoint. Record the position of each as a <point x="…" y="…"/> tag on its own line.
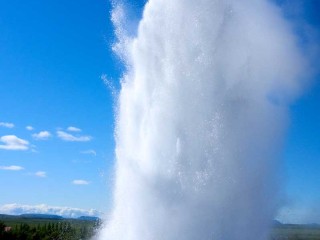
<point x="48" y="231"/>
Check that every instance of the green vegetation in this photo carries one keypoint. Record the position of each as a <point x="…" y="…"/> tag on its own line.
<point x="78" y="229"/>
<point x="47" y="229"/>
<point x="296" y="232"/>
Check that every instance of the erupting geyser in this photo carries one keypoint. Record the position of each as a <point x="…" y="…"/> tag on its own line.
<point x="200" y="122"/>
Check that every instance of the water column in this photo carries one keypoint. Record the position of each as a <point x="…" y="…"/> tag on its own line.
<point x="201" y="118"/>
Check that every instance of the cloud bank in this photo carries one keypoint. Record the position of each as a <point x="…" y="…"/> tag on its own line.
<point x="17" y="209"/>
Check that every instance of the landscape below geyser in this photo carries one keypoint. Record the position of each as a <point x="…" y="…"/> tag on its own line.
<point x="46" y="226"/>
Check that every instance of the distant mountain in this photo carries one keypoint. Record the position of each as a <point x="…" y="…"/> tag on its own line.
<point x="41" y="216"/>
<point x="46" y="216"/>
<point x="6" y="216"/>
<point x="88" y="218"/>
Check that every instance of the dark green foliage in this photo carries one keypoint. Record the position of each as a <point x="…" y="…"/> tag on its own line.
<point x="54" y="230"/>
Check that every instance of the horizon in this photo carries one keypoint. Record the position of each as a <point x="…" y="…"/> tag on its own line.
<point x="59" y="86"/>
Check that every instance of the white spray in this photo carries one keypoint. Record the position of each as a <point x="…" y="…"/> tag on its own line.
<point x="200" y="123"/>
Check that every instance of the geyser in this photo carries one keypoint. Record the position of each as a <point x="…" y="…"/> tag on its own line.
<point x="200" y="120"/>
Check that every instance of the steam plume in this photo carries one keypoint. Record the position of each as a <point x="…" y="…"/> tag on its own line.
<point x="201" y="118"/>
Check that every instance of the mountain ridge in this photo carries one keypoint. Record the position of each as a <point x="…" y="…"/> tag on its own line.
<point x="46" y="216"/>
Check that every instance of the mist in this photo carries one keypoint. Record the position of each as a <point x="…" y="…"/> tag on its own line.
<point x="201" y="119"/>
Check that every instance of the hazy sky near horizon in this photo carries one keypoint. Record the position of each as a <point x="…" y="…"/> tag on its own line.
<point x="57" y="114"/>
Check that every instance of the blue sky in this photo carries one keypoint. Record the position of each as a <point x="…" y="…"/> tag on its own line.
<point x="52" y="57"/>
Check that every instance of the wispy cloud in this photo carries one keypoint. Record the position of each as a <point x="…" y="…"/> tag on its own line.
<point x="71" y="138"/>
<point x="90" y="152"/>
<point x="74" y="129"/>
<point x="11" y="168"/>
<point x="43" y="135"/>
<point x="17" y="209"/>
<point x="29" y="128"/>
<point x="41" y="174"/>
<point x="6" y="124"/>
<point x="80" y="182"/>
<point x="12" y="142"/>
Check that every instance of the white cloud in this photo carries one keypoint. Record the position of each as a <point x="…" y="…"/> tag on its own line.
<point x="12" y="142"/>
<point x="74" y="129"/>
<point x="17" y="209"/>
<point x="7" y="125"/>
<point x="11" y="168"/>
<point x="29" y="128"/>
<point x="41" y="174"/>
<point x="91" y="152"/>
<point x="43" y="135"/>
<point x="80" y="182"/>
<point x="71" y="138"/>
